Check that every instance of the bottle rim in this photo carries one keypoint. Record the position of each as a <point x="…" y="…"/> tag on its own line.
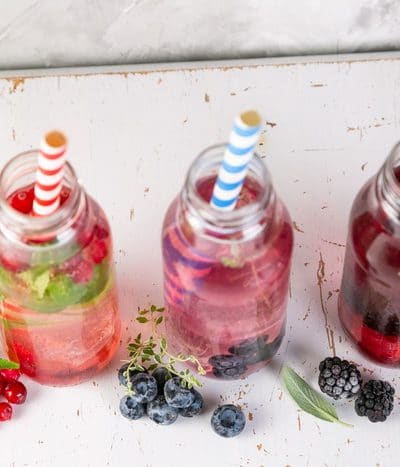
<point x="389" y="184"/>
<point x="16" y="224"/>
<point x="245" y="218"/>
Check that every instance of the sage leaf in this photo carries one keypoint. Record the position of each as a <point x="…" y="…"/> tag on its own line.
<point x="307" y="398"/>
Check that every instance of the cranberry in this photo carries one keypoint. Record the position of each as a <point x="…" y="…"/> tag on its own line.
<point x="25" y="355"/>
<point x="5" y="411"/>
<point x="10" y="374"/>
<point x="22" y="200"/>
<point x="3" y="383"/>
<point x="15" y="392"/>
<point x="98" y="251"/>
<point x="64" y="195"/>
<point x="82" y="273"/>
<point x="12" y="265"/>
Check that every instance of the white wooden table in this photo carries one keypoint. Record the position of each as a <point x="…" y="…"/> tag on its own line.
<point x="330" y="124"/>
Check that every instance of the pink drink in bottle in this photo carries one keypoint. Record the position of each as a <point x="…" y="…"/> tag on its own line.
<point x="226" y="274"/>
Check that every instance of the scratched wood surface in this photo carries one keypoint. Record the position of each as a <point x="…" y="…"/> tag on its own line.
<point x="133" y="133"/>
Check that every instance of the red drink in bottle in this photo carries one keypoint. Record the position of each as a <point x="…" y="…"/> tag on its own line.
<point x="369" y="300"/>
<point x="226" y="274"/>
<point x="59" y="300"/>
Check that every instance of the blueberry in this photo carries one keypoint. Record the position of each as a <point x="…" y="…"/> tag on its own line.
<point x="195" y="407"/>
<point x="131" y="408"/>
<point x="144" y="387"/>
<point x="161" y="375"/>
<point x="160" y="412"/>
<point x="266" y="350"/>
<point x="122" y="374"/>
<point x="228" y="421"/>
<point x="228" y="366"/>
<point x="248" y="346"/>
<point x="177" y="395"/>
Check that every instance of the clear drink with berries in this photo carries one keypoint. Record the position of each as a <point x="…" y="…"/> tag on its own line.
<point x="226" y="274"/>
<point x="369" y="300"/>
<point x="59" y="303"/>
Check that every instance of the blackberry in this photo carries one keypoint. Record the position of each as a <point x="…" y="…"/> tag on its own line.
<point x="339" y="378"/>
<point x="228" y="366"/>
<point x="375" y="401"/>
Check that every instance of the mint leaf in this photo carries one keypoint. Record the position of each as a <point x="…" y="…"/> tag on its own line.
<point x="41" y="283"/>
<point x="307" y="398"/>
<point x="8" y="365"/>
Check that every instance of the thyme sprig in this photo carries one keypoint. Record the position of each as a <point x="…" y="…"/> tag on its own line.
<point x="149" y="354"/>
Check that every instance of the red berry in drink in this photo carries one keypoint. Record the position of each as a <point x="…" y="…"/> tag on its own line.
<point x="64" y="195"/>
<point x="82" y="273"/>
<point x="5" y="411"/>
<point x="15" y="392"/>
<point x="98" y="251"/>
<point x="101" y="231"/>
<point x="22" y="200"/>
<point x="10" y="374"/>
<point x="12" y="264"/>
<point x="70" y="264"/>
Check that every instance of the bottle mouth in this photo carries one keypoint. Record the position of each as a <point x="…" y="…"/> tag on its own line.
<point x="389" y="180"/>
<point x="20" y="172"/>
<point x="245" y="218"/>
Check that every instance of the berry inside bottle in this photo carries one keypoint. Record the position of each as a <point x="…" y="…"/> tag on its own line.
<point x="369" y="300"/>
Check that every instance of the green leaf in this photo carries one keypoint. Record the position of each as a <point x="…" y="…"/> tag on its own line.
<point x="41" y="283"/>
<point x="8" y="365"/>
<point x="307" y="398"/>
<point x="141" y="319"/>
<point x="159" y="320"/>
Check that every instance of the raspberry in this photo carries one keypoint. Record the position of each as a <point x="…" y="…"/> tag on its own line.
<point x="100" y="230"/>
<point x="82" y="273"/>
<point x="98" y="251"/>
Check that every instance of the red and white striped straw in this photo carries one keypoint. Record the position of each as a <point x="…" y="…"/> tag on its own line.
<point x="49" y="174"/>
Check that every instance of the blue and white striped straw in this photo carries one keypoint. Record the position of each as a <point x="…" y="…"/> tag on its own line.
<point x="238" y="153"/>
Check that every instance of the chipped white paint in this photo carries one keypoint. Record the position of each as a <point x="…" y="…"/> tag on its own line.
<point x="330" y="125"/>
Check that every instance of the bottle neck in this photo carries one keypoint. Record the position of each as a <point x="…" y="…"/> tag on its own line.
<point x="243" y="223"/>
<point x="20" y="172"/>
<point x="387" y="185"/>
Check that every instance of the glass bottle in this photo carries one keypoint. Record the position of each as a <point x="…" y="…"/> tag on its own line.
<point x="226" y="274"/>
<point x="369" y="299"/>
<point x="59" y="301"/>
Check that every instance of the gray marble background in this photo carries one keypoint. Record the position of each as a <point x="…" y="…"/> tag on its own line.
<point x="48" y="33"/>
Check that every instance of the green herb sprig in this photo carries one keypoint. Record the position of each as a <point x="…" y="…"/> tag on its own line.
<point x="308" y="399"/>
<point x="153" y="352"/>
